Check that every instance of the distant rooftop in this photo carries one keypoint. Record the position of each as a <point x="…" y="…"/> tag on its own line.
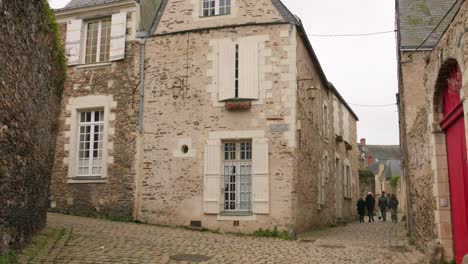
<point x="419" y="17"/>
<point x="382" y="152"/>
<point x="83" y="3"/>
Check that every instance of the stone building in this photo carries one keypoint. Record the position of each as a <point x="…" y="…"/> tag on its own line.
<point x="242" y="130"/>
<point x="31" y="79"/>
<point x="239" y="128"/>
<point x="433" y="77"/>
<point x="95" y="159"/>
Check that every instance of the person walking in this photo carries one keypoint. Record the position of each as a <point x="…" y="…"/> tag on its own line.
<point x="370" y="204"/>
<point x="383" y="205"/>
<point x="393" y="205"/>
<point x="361" y="208"/>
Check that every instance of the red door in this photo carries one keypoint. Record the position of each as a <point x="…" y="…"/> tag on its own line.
<point x="454" y="126"/>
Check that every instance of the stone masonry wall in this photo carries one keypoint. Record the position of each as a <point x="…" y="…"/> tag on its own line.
<point x="426" y="161"/>
<point x="120" y="79"/>
<point x="31" y="79"/>
<point x="186" y="15"/>
<point x="312" y="146"/>
<point x="172" y="183"/>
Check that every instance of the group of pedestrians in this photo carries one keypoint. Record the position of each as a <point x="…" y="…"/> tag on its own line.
<point x="384" y="203"/>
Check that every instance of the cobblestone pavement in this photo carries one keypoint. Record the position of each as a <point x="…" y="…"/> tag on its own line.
<point x="87" y="240"/>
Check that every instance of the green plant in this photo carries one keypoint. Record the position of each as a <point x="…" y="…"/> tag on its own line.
<point x="394" y="182"/>
<point x="272" y="233"/>
<point x="366" y="174"/>
<point x="411" y="241"/>
<point x="450" y="262"/>
<point x="8" y="257"/>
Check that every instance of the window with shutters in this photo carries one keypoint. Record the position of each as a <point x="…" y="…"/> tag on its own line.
<point x="325" y="122"/>
<point x="237" y="178"/>
<point x="347" y="182"/>
<point x="216" y="7"/>
<point x="90" y="143"/>
<point x="98" y="34"/>
<point x="323" y="178"/>
<point x="238" y="70"/>
<point x="96" y="40"/>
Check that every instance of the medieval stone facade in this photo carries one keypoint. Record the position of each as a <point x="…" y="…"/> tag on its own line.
<point x="94" y="170"/>
<point x="240" y="128"/>
<point x="423" y="80"/>
<point x="31" y="82"/>
<point x="189" y="127"/>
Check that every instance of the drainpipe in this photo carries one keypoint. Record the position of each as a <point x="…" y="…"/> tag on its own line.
<point x="142" y="83"/>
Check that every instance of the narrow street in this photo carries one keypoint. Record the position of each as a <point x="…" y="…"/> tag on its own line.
<point x="87" y="240"/>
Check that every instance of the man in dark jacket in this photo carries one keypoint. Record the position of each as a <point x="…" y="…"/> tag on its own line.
<point x="361" y="208"/>
<point x="383" y="205"/>
<point x="370" y="204"/>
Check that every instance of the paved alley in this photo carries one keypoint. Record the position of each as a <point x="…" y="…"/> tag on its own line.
<point x="88" y="240"/>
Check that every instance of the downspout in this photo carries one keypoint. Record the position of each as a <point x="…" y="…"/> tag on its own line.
<point x="142" y="83"/>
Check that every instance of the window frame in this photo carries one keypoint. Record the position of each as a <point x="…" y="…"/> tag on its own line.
<point x="92" y="124"/>
<point x="323" y="178"/>
<point x="325" y="122"/>
<point x="237" y="162"/>
<point x="217" y="8"/>
<point x="84" y="42"/>
<point x="347" y="181"/>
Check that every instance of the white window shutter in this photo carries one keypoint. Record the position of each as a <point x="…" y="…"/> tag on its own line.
<point x="248" y="69"/>
<point x="212" y="177"/>
<point x="118" y="33"/>
<point x="260" y="177"/>
<point x="226" y="70"/>
<point x="73" y="41"/>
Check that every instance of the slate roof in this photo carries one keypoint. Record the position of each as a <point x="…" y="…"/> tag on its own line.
<point x="382" y="152"/>
<point x="82" y="3"/>
<point x="392" y="168"/>
<point x="417" y="19"/>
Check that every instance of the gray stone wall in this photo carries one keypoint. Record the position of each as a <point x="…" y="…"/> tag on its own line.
<point x="30" y="88"/>
<point x="424" y="159"/>
<point x="115" y="197"/>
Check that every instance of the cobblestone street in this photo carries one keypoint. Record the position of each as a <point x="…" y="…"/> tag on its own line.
<point x="87" y="240"/>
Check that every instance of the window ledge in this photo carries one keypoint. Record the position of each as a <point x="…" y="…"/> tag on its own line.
<point x="87" y="180"/>
<point x="94" y="65"/>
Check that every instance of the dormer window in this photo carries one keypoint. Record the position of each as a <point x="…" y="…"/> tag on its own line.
<point x="216" y="7"/>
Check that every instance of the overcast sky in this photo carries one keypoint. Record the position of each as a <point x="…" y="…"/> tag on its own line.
<point x="363" y="69"/>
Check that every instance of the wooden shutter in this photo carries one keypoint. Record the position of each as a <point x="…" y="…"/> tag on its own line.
<point x="118" y="32"/>
<point x="260" y="177"/>
<point x="73" y="41"/>
<point x="248" y="69"/>
<point x="226" y="70"/>
<point x="212" y="177"/>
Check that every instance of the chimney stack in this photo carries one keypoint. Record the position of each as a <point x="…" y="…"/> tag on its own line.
<point x="370" y="159"/>
<point x="363" y="141"/>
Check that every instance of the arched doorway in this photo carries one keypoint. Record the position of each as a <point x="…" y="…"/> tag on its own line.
<point x="453" y="124"/>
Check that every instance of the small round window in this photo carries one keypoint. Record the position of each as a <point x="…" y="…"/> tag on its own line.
<point x="185" y="149"/>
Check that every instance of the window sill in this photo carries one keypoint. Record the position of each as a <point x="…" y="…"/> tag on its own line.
<point x="87" y="180"/>
<point x="236" y="213"/>
<point x="237" y="218"/>
<point x="94" y="65"/>
<point x="214" y="16"/>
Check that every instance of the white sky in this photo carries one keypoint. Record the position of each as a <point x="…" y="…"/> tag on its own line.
<point x="363" y="69"/>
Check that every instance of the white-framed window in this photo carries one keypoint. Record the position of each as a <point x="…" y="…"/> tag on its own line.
<point x="90" y="143"/>
<point x="347" y="182"/>
<point x="323" y="178"/>
<point x="216" y="7"/>
<point x="237" y="177"/>
<point x="325" y="121"/>
<point x="97" y="40"/>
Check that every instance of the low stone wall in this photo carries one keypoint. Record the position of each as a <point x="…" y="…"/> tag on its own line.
<point x="30" y="88"/>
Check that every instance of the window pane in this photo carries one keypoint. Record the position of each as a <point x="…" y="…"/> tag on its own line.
<point x="91" y="42"/>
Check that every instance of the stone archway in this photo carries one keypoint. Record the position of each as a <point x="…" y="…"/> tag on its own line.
<point x="451" y="170"/>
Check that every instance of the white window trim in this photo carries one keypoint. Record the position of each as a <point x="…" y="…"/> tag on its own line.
<point x="216" y="8"/>
<point x="347" y="181"/>
<point x="325" y="121"/>
<point x="85" y="37"/>
<point x="255" y="136"/>
<point x="323" y="179"/>
<point x="74" y="106"/>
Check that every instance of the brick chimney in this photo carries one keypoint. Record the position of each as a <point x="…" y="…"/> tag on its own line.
<point x="370" y="159"/>
<point x="363" y="141"/>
